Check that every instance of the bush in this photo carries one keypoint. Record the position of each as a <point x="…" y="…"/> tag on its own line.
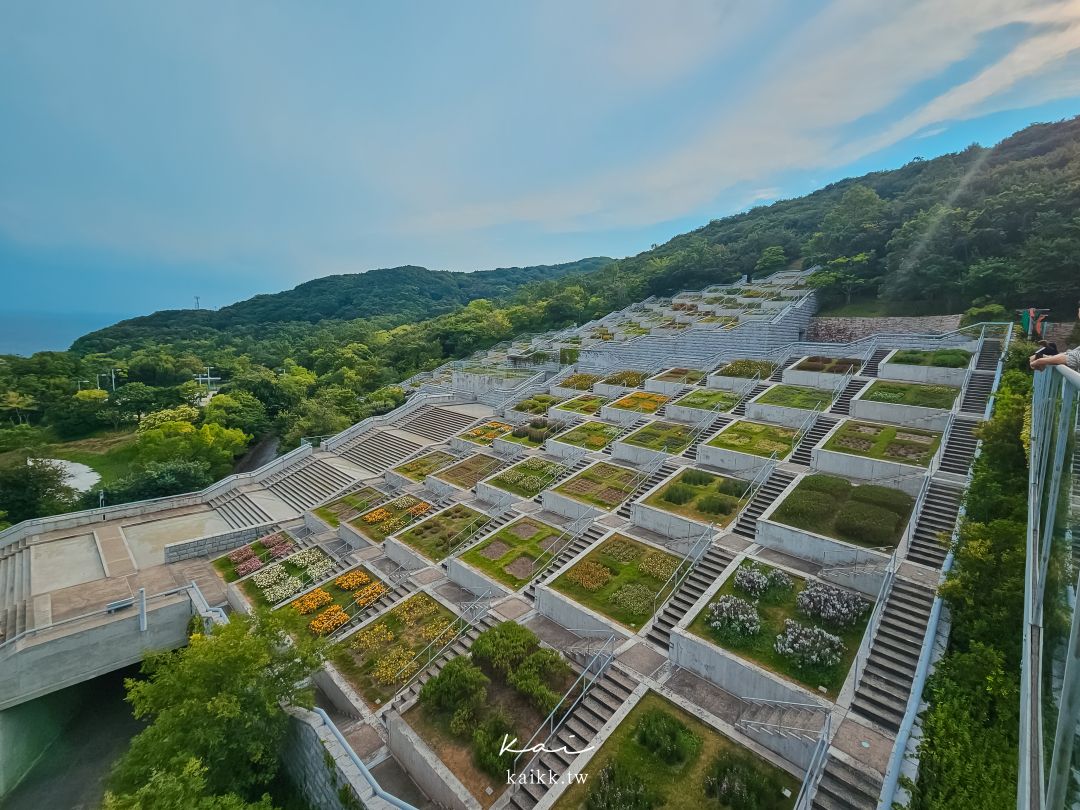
<point x="731" y="486"/>
<point x="892" y="499"/>
<point x="618" y="788"/>
<point x="736" y="782"/>
<point x="520" y="432"/>
<point x="659" y="565"/>
<point x="534" y="674"/>
<point x="504" y="646"/>
<point x="829" y="484"/>
<point x="778" y="580"/>
<point x="802" y="507"/>
<point x="621" y="549"/>
<point x="717" y="504"/>
<point x="666" y="736"/>
<point x="831" y="604"/>
<point x="697" y="478"/>
<point x="678" y="494"/>
<point x="460" y="686"/>
<point x="488" y="739"/>
<point x="734" y="615"/>
<point x="751" y="580"/>
<point x="634" y="598"/>
<point x="809" y="646"/>
<point x="866" y="523"/>
<point x="590" y="575"/>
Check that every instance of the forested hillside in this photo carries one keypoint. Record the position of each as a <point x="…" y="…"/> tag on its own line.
<point x="986" y="227"/>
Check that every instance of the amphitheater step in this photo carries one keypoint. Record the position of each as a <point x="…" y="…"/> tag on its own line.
<point x="777" y="481"/>
<point x="708" y="570"/>
<point x="822" y="426"/>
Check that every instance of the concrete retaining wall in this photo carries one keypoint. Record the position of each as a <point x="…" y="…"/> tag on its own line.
<point x="611" y="391"/>
<point x="820" y="549"/>
<point x="508" y="449"/>
<point x="553" y="447"/>
<point x="664" y="387"/>
<point x="676" y="527"/>
<point x="397" y="480"/>
<point x="215" y="544"/>
<point x="320" y="767"/>
<point x="620" y="416"/>
<point x="777" y="414"/>
<point x="472" y="580"/>
<point x="680" y="413"/>
<point x="908" y="415"/>
<point x="567" y="393"/>
<point x="933" y="375"/>
<point x="563" y="610"/>
<point x="723" y="383"/>
<point x="743" y="464"/>
<point x="404" y="555"/>
<point x="440" y="488"/>
<point x="352" y="536"/>
<point x="639" y="456"/>
<point x="425" y="768"/>
<point x="810" y="379"/>
<point x="568" y="507"/>
<point x="888" y="473"/>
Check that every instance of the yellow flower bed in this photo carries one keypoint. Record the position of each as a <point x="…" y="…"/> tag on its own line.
<point x="376" y="515"/>
<point x="312" y="601"/>
<point x="386" y="671"/>
<point x="371" y="637"/>
<point x="416" y="609"/>
<point x="590" y="575"/>
<point x="328" y="621"/>
<point x="372" y="593"/>
<point x="419" y="509"/>
<point x="435" y="629"/>
<point x="351" y="580"/>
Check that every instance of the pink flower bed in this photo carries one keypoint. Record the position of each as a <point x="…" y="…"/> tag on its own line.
<point x="245" y="567"/>
<point x="237" y="556"/>
<point x="281" y="550"/>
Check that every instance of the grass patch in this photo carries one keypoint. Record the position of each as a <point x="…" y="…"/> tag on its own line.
<point x="347" y="506"/>
<point x="527" y="478"/>
<point x="630" y="752"/>
<point x="755" y="438"/>
<point x="708" y="400"/>
<point x="509" y="556"/>
<point x="378" y="523"/>
<point x="591" y="435"/>
<point x="796" y="396"/>
<point x="421" y="467"/>
<point x="604" y="485"/>
<point x="829" y="365"/>
<point x="370" y="657"/>
<point x="587" y="404"/>
<point x="466" y="473"/>
<point x="620" y="579"/>
<point x="111" y="454"/>
<point x="774" y="607"/>
<point x="534" y="434"/>
<point x="686" y="376"/>
<point x="921" y="396"/>
<point x="486" y="433"/>
<point x="641" y="402"/>
<point x="671" y="437"/>
<point x="747" y="369"/>
<point x="866" y="515"/>
<point x="628" y="377"/>
<point x="537" y="404"/>
<point x="938" y="358"/>
<point x="701" y="496"/>
<point x="903" y="445"/>
<point x="432" y="537"/>
<point x="580" y="382"/>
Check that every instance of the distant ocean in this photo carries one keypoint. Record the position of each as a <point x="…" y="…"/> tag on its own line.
<point x="28" y="332"/>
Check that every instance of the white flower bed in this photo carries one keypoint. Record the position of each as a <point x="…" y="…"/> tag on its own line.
<point x="834" y="605"/>
<point x="809" y="646"/>
<point x="752" y="580"/>
<point x="281" y="590"/>
<point x="735" y="614"/>
<point x="780" y="580"/>
<point x="309" y="558"/>
<point x="269" y="577"/>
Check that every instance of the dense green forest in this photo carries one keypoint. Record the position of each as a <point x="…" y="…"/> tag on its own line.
<point x="984" y="228"/>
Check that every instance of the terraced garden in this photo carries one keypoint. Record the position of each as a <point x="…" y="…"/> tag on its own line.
<point x="829" y="365"/>
<point x="580" y="381"/>
<point x="591" y="435"/>
<point x="510" y="555"/>
<point x="630" y="378"/>
<point x="938" y="358"/>
<point x="348" y="506"/>
<point x="334" y="604"/>
<point x="422" y="466"/>
<point x="747" y="369"/>
<point x="466" y="473"/>
<point x="535" y="433"/>
<point x="604" y="485"/>
<point x="796" y="396"/>
<point x="866" y="515"/>
<point x="246" y="559"/>
<point x="670" y="437"/>
<point x="433" y="537"/>
<point x="527" y="478"/>
<point x="686" y="376"/>
<point x="587" y="404"/>
<point x="755" y="438"/>
<point x="708" y="399"/>
<point x="378" y="523"/>
<point x="641" y="402"/>
<point x="701" y="496"/>
<point x="537" y="404"/>
<point x="885" y="442"/>
<point x="921" y="396"/>
<point x="486" y="433"/>
<point x="278" y="581"/>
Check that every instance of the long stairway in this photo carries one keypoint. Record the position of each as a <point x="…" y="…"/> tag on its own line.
<point x="981" y="383"/>
<point x="658" y="475"/>
<point x="842" y="406"/>
<point x="883" y="692"/>
<point x="802" y="452"/>
<point x="777" y="481"/>
<point x="778" y="375"/>
<point x="238" y="510"/>
<point x="844" y="787"/>
<point x="308" y="483"/>
<point x="705" y="573"/>
<point x="929" y="543"/>
<point x="377" y="450"/>
<point x="437" y="424"/>
<point x="872" y="365"/>
<point x="460" y="647"/>
<point x="607" y="695"/>
<point x="960" y="446"/>
<point x="740" y="407"/>
<point x="14" y="587"/>
<point x="719" y="422"/>
<point x="587" y="538"/>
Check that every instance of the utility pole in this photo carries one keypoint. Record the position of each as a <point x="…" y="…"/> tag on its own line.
<point x="113" y="372"/>
<point x="197" y="302"/>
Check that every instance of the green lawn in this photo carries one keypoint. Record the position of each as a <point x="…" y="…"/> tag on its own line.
<point x="671" y="437"/>
<point x="586" y="404"/>
<point x="604" y="485"/>
<point x="922" y="396"/>
<point x="679" y="786"/>
<point x="938" y="358"/>
<point x="903" y="445"/>
<point x="378" y="523"/>
<point x="796" y="396"/>
<point x="537" y="404"/>
<point x="111" y="454"/>
<point x="686" y="376"/>
<point x="708" y="399"/>
<point x="420" y="467"/>
<point x="432" y="537"/>
<point x="755" y="438"/>
<point x="535" y="433"/>
<point x="466" y="473"/>
<point x="866" y="515"/>
<point x="774" y="607"/>
<point x="347" y="506"/>
<point x="701" y="496"/>
<point x="591" y="435"/>
<point x="527" y="478"/>
<point x="620" y="579"/>
<point x="509" y="555"/>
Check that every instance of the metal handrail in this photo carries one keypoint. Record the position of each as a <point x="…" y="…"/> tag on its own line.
<point x="693" y="555"/>
<point x="466" y="623"/>
<point x="817" y="763"/>
<point x="572" y="533"/>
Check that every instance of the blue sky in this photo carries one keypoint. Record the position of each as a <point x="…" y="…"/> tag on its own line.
<point x="151" y="152"/>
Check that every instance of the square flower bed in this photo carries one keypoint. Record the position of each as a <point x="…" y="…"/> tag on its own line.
<point x="535" y="433"/>
<point x="537" y="404"/>
<point x="866" y="515"/>
<point x="670" y="437"/>
<point x="628" y="377"/>
<point x="422" y="466"/>
<point x="510" y="555"/>
<point x="796" y="396"/>
<point x="339" y="602"/>
<point x="604" y="485"/>
<point x="686" y="376"/>
<point x="372" y="658"/>
<point x="709" y="399"/>
<point x="621" y="579"/>
<point x="382" y="521"/>
<point x="903" y="445"/>
<point x="747" y="369"/>
<point x="466" y="473"/>
<point x="580" y="382"/>
<point x="433" y="537"/>
<point x="661" y="756"/>
<point x="246" y="559"/>
<point x="586" y="404"/>
<point x="641" y="402"/>
<point x="486" y="433"/>
<point x="527" y="478"/>
<point x="502" y="690"/>
<point x="829" y="365"/>
<point x="762" y="614"/>
<point x="277" y="582"/>
<point x="938" y="358"/>
<point x="755" y="438"/>
<point x="920" y="396"/>
<point x="701" y="496"/>
<point x="591" y="435"/>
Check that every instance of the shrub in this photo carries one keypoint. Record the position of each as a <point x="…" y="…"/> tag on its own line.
<point x="748" y="368"/>
<point x="867" y="523"/>
<point x="892" y="499"/>
<point x="735" y="781"/>
<point x="618" y="788"/>
<point x="809" y="646"/>
<point x="678" y="494"/>
<point x="779" y="580"/>
<point x="592" y="576"/>
<point x="634" y="598"/>
<point x="734" y="615"/>
<point x="697" y="478"/>
<point x="717" y="504"/>
<point x="459" y="685"/>
<point x="831" y="484"/>
<point x="731" y="486"/>
<point x="831" y="604"/>
<point x="658" y="564"/>
<point x="534" y="674"/>
<point x="504" y="646"/>
<point x="752" y="580"/>
<point x="520" y="432"/>
<point x="666" y="736"/>
<point x="802" y="507"/>
<point x="487" y="741"/>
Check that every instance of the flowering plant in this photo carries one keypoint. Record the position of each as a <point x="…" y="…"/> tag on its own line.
<point x="590" y="575"/>
<point x="281" y="550"/>
<point x="809" y="646"/>
<point x="241" y="554"/>
<point x="312" y="601"/>
<point x="281" y="590"/>
<point x="372" y="636"/>
<point x="328" y="621"/>
<point x="634" y="598"/>
<point x="372" y="593"/>
<point x="433" y="629"/>
<point x="658" y="564"/>
<point x="386" y="671"/>
<point x="780" y="580"/>
<point x="376" y="515"/>
<point x="351" y="580"/>
<point x="418" y="509"/>
<point x="415" y="609"/>
<point x="269" y="576"/>
<point x="404" y="502"/>
<point x="735" y="614"/>
<point x="248" y="566"/>
<point x="831" y="604"/>
<point x="752" y="580"/>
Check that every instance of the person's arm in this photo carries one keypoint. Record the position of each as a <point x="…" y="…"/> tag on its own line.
<point x="1070" y="358"/>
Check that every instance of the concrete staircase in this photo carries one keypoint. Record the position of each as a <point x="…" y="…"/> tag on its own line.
<point x="238" y="510"/>
<point x="587" y="538"/>
<point x="705" y="573"/>
<point x="937" y="518"/>
<point x="607" y="695"/>
<point x="740" y="407"/>
<point x="686" y="389"/>
<point x="640" y="423"/>
<point x="778" y="375"/>
<point x="377" y="450"/>
<point x="977" y="393"/>
<point x="780" y="719"/>
<point x="845" y="787"/>
<point x="822" y="426"/>
<point x="719" y="422"/>
<point x="307" y="483"/>
<point x="883" y="692"/>
<point x="777" y="481"/>
<point x="570" y="470"/>
<point x="872" y="365"/>
<point x="14" y="588"/>
<point x="436" y="424"/>
<point x="960" y="446"/>
<point x="658" y="475"/>
<point x="842" y="406"/>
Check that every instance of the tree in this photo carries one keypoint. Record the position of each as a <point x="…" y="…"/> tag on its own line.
<point x="854" y="225"/>
<point x="35" y="487"/>
<point x="79" y="414"/>
<point x="219" y="700"/>
<point x="160" y="478"/>
<point x="155" y="419"/>
<point x="240" y="410"/>
<point x="843" y="277"/>
<point x="182" y="788"/>
<point x="134" y="399"/>
<point x="14" y="402"/>
<point x="772" y="259"/>
<point x="211" y="444"/>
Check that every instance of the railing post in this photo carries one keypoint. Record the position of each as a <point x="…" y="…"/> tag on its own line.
<point x="142" y="610"/>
